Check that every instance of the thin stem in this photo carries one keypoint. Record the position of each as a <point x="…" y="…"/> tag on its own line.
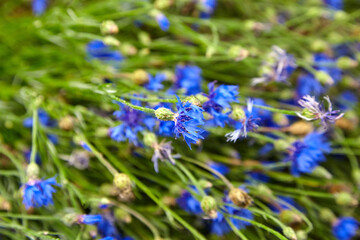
<point x="143" y="109"/>
<point x="192" y="178"/>
<point x="34" y="135"/>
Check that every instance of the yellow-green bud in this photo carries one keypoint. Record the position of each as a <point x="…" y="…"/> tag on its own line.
<point x="237" y="113"/>
<point x="208" y="205"/>
<point x="66" y="123"/>
<point x="340" y="16"/>
<point x="346" y="63"/>
<point x="319" y="45"/>
<point x="280" y="119"/>
<point x="315" y="12"/>
<point x="144" y="38"/>
<point x="5" y="205"/>
<point x="101" y="131"/>
<point x="149" y="139"/>
<point x="210" y="51"/>
<point x="164" y="114"/>
<point x="70" y="218"/>
<point x="240" y="198"/>
<point x="324" y="77"/>
<point x="289" y="217"/>
<point x="307" y="113"/>
<point x="301" y="235"/>
<point x="281" y="145"/>
<point x="109" y="27"/>
<point x="263" y="191"/>
<point x="327" y="215"/>
<point x="345" y="199"/>
<point x="32" y="171"/>
<point x="122" y="181"/>
<point x="289" y="233"/>
<point x="128" y="49"/>
<point x="140" y="77"/>
<point x="321" y="172"/>
<point x="205" y="184"/>
<point x="122" y="215"/>
<point x="111" y="41"/>
<point x="356" y="176"/>
<point x="163" y="4"/>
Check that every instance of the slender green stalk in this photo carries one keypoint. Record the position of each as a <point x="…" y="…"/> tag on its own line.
<point x="143" y="109"/>
<point x="34" y="135"/>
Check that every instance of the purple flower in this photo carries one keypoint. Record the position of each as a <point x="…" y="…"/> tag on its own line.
<point x="188" y="77"/>
<point x="38" y="193"/>
<point x="345" y="228"/>
<point x="247" y="124"/>
<point x="314" y="110"/>
<point x="186" y="121"/>
<point x="306" y="154"/>
<point x="89" y="219"/>
<point x="39" y="6"/>
<point x="155" y="82"/>
<point x="162" y="151"/>
<point x="278" y="68"/>
<point x="99" y="50"/>
<point x="162" y="21"/>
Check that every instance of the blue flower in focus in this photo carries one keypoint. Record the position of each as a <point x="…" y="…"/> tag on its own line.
<point x="308" y="85"/>
<point x="189" y="78"/>
<point x="97" y="49"/>
<point x="44" y="119"/>
<point x="219" y="167"/>
<point x="162" y="21"/>
<point x="89" y="219"/>
<point x="188" y="203"/>
<point x="334" y="4"/>
<point x="345" y="228"/>
<point x="220" y="99"/>
<point x="247" y="124"/>
<point x="220" y="226"/>
<point x="187" y="120"/>
<point x="38" y="193"/>
<point x="155" y="82"/>
<point x="306" y="154"/>
<point x="39" y="6"/>
<point x="208" y="8"/>
<point x="323" y="62"/>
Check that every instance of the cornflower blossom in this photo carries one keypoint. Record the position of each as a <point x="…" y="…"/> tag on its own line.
<point x="307" y="84"/>
<point x="44" y="119"/>
<point x="219" y="100"/>
<point x="97" y="49"/>
<point x="327" y="64"/>
<point x="188" y="77"/>
<point x="162" y="21"/>
<point x="38" y="193"/>
<point x="208" y="8"/>
<point x="187" y="120"/>
<point x="89" y="219"/>
<point x="334" y="4"/>
<point x="189" y="203"/>
<point x="278" y="68"/>
<point x="345" y="228"/>
<point x="306" y="154"/>
<point x="314" y="110"/>
<point x="162" y="152"/>
<point x="39" y="6"/>
<point x="154" y="83"/>
<point x="247" y="124"/>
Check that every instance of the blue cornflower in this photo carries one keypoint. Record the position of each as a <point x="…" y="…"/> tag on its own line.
<point x="85" y="146"/>
<point x="208" y="8"/>
<point x="189" y="203"/>
<point x="188" y="77"/>
<point x="323" y="62"/>
<point x="39" y="6"/>
<point x="220" y="99"/>
<point x="347" y="100"/>
<point x="106" y="227"/>
<point x="220" y="226"/>
<point x="345" y="228"/>
<point x="306" y="154"/>
<point x="308" y="85"/>
<point x="314" y="110"/>
<point x="334" y="4"/>
<point x="155" y="82"/>
<point x="278" y="68"/>
<point x="44" y="119"/>
<point x="38" y="193"/>
<point x="133" y="121"/>
<point x="162" y="21"/>
<point x="89" y="219"/>
<point x="186" y="121"/>
<point x="219" y="167"/>
<point x="97" y="49"/>
<point x="166" y="128"/>
<point x="247" y="124"/>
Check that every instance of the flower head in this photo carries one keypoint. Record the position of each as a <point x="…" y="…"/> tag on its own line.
<point x="247" y="124"/>
<point x="208" y="8"/>
<point x="39" y="6"/>
<point x="162" y="151"/>
<point x="99" y="50"/>
<point x="155" y="82"/>
<point x="306" y="154"/>
<point x="44" y="119"/>
<point x="186" y="121"/>
<point x="38" y="193"/>
<point x="314" y="110"/>
<point x="89" y="219"/>
<point x="106" y="227"/>
<point x="345" y="228"/>
<point x="189" y="203"/>
<point x="334" y="4"/>
<point x="308" y="85"/>
<point x="162" y="21"/>
<point x="188" y="77"/>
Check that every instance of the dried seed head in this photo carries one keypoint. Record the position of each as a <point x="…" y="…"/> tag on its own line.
<point x="240" y="198"/>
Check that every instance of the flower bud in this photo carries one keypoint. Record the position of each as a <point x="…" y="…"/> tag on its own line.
<point x="205" y="184"/>
<point x="109" y="27"/>
<point x="237" y="113"/>
<point x="290" y="218"/>
<point x="280" y="119"/>
<point x="327" y="215"/>
<point x="239" y="197"/>
<point x="101" y="131"/>
<point x="281" y="145"/>
<point x="319" y="45"/>
<point x="122" y="215"/>
<point x="111" y="41"/>
<point x="144" y="38"/>
<point x="128" y="49"/>
<point x="5" y="205"/>
<point x="345" y="199"/>
<point x="208" y="205"/>
<point x="163" y="4"/>
<point x="301" y="235"/>
<point x="149" y="139"/>
<point x="193" y="100"/>
<point x="289" y="233"/>
<point x="32" y="171"/>
<point x="169" y="201"/>
<point x="321" y="172"/>
<point x="324" y="78"/>
<point x="300" y="128"/>
<point x="140" y="77"/>
<point x="70" y="218"/>
<point x="238" y="53"/>
<point x="164" y="114"/>
<point x="340" y="16"/>
<point x="356" y="176"/>
<point x="66" y="123"/>
<point x="264" y="192"/>
<point x="122" y="181"/>
<point x="346" y="63"/>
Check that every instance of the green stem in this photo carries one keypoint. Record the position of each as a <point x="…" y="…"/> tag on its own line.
<point x="143" y="109"/>
<point x="192" y="178"/>
<point x="34" y="135"/>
